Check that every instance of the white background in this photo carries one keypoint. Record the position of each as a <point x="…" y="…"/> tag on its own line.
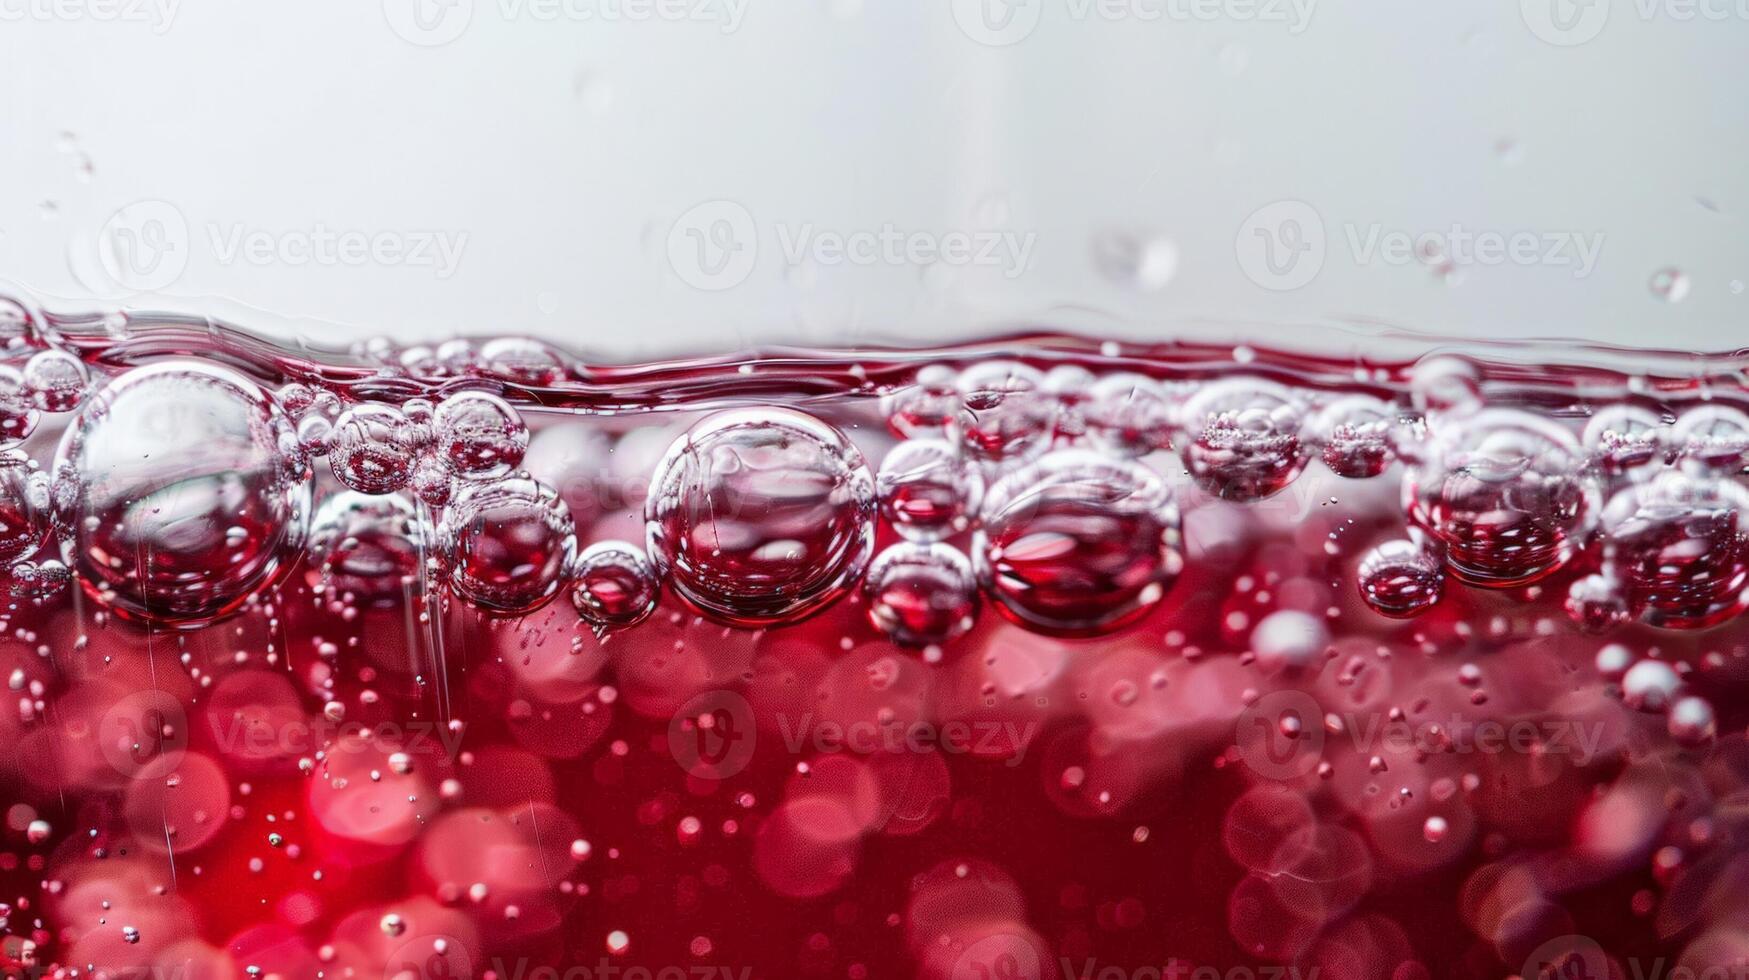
<point x="566" y="149"/>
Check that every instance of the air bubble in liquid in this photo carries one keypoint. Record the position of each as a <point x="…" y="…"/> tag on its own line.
<point x="507" y="544"/>
<point x="1399" y="579"/>
<point x="761" y="515"/>
<point x="1680" y="545"/>
<point x="56" y="380"/>
<point x="25" y="516"/>
<point x="1624" y="439"/>
<point x="1501" y="497"/>
<point x="371" y="448"/>
<point x="1445" y="385"/>
<point x="1007" y="412"/>
<point x="1355" y="433"/>
<point x="1598" y="603"/>
<point x="1078" y="543"/>
<point x="18" y="411"/>
<point x="921" y="593"/>
<point x="1242" y="438"/>
<point x="1712" y="437"/>
<point x="926" y="491"/>
<point x="177" y="495"/>
<point x="613" y="585"/>
<point x="479" y="435"/>
<point x="1128" y="414"/>
<point x="1650" y="685"/>
<point x="366" y="545"/>
<point x="929" y="407"/>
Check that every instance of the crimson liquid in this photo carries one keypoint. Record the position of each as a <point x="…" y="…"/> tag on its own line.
<point x="1028" y="659"/>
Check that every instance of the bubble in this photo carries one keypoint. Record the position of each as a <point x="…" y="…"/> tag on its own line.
<point x="1399" y="579"/>
<point x="1713" y="437"/>
<point x="18" y="411"/>
<point x="479" y="435"/>
<point x="367" y="545"/>
<point x="1289" y="640"/>
<point x="1678" y="542"/>
<point x="56" y="380"/>
<point x="1008" y="414"/>
<point x="1444" y="384"/>
<point x="25" y="514"/>
<point x="1128" y="414"/>
<point x="921" y="593"/>
<point x="519" y="359"/>
<point x="1144" y="262"/>
<point x="928" y="408"/>
<point x="761" y="515"/>
<point x="1649" y="685"/>
<point x="1242" y="438"/>
<point x="432" y="483"/>
<point x="1670" y="285"/>
<point x="38" y="580"/>
<point x="1078" y="543"/>
<point x="507" y="544"/>
<point x="1356" y="435"/>
<point x="371" y="448"/>
<point x="1692" y="721"/>
<point x="1500" y="496"/>
<point x="613" y="585"/>
<point x="179" y="501"/>
<point x="926" y="491"/>
<point x="1598" y="603"/>
<point x="1622" y="439"/>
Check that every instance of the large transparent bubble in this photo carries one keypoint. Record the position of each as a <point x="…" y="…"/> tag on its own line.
<point x="181" y="493"/>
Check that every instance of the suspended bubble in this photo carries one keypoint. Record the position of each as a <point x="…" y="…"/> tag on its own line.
<point x="761" y="515"/>
<point x="1623" y="439"/>
<point x="38" y="580"/>
<point x="1145" y="262"/>
<point x="928" y="408"/>
<point x="926" y="491"/>
<point x="1356" y="435"/>
<point x="296" y="397"/>
<point x="25" y="512"/>
<point x="507" y="544"/>
<point x="1007" y="412"/>
<point x="1078" y="543"/>
<point x="1287" y="640"/>
<point x="1443" y="384"/>
<point x="1128" y="414"/>
<point x="1501" y="497"/>
<point x="176" y="494"/>
<point x="1670" y="285"/>
<point x="432" y="482"/>
<point x="1650" y="686"/>
<point x="1713" y="437"/>
<point x="1692" y="721"/>
<point x="369" y="546"/>
<point x="613" y="585"/>
<point x="56" y="380"/>
<point x="18" y="411"/>
<point x="1399" y="579"/>
<point x="313" y="432"/>
<point x="1598" y="603"/>
<point x="921" y="593"/>
<point x="371" y="448"/>
<point x="1680" y="545"/>
<point x="1242" y="438"/>
<point x="479" y="435"/>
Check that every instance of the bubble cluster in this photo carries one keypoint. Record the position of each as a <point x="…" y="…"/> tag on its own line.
<point x="1242" y="438"/>
<point x="1355" y="433"/>
<point x="1680" y="544"/>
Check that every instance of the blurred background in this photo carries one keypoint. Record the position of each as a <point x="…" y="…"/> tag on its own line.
<point x="641" y="177"/>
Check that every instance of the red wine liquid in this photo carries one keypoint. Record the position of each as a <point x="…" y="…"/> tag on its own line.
<point x="1027" y="659"/>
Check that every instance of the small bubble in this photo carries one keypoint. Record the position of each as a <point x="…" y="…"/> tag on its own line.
<point x="1670" y="285"/>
